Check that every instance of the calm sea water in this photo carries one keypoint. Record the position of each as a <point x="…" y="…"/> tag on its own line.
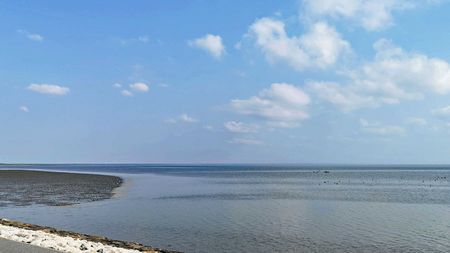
<point x="256" y="208"/>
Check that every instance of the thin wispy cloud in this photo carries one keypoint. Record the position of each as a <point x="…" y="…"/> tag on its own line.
<point x="31" y="36"/>
<point x="245" y="141"/>
<point x="183" y="118"/>
<point x="50" y="89"/>
<point x="443" y="112"/>
<point x="144" y="39"/>
<point x="163" y="85"/>
<point x="378" y="128"/>
<point x="372" y="15"/>
<point x="240" y="127"/>
<point x="417" y="121"/>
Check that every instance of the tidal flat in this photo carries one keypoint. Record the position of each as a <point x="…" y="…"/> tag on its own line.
<point x="27" y="187"/>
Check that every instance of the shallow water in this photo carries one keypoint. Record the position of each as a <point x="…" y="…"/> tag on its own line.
<point x="270" y="209"/>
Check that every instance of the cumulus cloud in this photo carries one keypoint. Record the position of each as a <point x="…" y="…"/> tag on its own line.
<point x="240" y="127"/>
<point x="140" y="87"/>
<point x="212" y="44"/>
<point x="31" y="36"/>
<point x="48" y="89"/>
<point x="244" y="141"/>
<point x="394" y="75"/>
<point x="370" y="14"/>
<point x="281" y="103"/>
<point x="320" y="47"/>
<point x="24" y="108"/>
<point x="380" y="129"/>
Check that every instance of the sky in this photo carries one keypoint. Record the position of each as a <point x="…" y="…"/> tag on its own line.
<point x="200" y="81"/>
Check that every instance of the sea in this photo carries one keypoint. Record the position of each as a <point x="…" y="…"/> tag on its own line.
<point x="262" y="208"/>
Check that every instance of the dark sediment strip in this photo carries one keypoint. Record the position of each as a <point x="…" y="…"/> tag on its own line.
<point x="23" y="188"/>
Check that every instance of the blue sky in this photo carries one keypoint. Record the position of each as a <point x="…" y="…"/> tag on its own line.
<point x="313" y="81"/>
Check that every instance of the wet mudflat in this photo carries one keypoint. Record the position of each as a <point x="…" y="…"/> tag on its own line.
<point x="24" y="188"/>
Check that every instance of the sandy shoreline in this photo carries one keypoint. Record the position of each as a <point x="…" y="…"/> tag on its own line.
<point x="67" y="241"/>
<point x="30" y="187"/>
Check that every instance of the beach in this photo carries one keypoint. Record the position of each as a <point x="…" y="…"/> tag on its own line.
<point x="255" y="208"/>
<point x="22" y="188"/>
<point x="65" y="241"/>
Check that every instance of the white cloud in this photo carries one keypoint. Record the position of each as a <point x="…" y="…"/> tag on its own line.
<point x="280" y="103"/>
<point x="211" y="44"/>
<point x="126" y="93"/>
<point x="245" y="141"/>
<point x="416" y="121"/>
<point x="137" y="87"/>
<point x="140" y="87"/>
<point x="186" y="118"/>
<point x="240" y="127"/>
<point x="394" y="75"/>
<point x="380" y="129"/>
<point x="31" y="36"/>
<point x="346" y="97"/>
<point x="281" y="124"/>
<point x="48" y="89"/>
<point x="443" y="112"/>
<point x="141" y="39"/>
<point x="321" y="47"/>
<point x="182" y="118"/>
<point x="24" y="108"/>
<point x="370" y="14"/>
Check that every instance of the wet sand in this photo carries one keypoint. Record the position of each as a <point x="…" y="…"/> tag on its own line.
<point x="24" y="188"/>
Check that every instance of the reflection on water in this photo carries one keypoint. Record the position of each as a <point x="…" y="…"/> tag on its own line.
<point x="265" y="211"/>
